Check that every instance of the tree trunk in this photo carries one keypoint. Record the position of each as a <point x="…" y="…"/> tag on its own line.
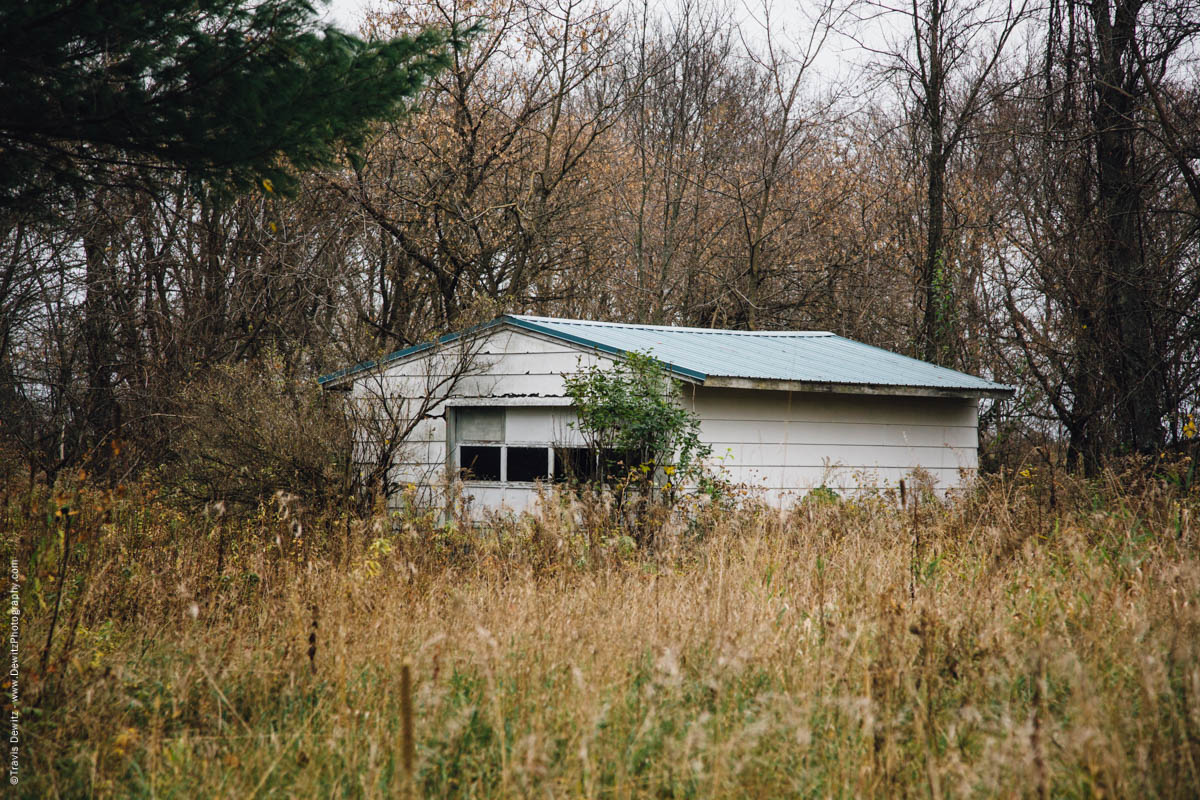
<point x="1135" y="372"/>
<point x="936" y="325"/>
<point x="103" y="412"/>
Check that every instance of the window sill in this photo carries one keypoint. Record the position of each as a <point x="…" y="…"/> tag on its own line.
<point x="507" y="484"/>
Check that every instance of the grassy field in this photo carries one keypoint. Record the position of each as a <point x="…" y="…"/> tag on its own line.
<point x="1017" y="642"/>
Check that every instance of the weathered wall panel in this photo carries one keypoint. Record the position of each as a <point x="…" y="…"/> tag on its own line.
<point x="781" y="444"/>
<point x="786" y="443"/>
<point x="508" y="367"/>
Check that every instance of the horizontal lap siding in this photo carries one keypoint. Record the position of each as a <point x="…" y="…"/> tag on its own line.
<point x="782" y="443"/>
<point x="768" y="440"/>
<point x="517" y="364"/>
<point x="508" y="342"/>
<point x="422" y="459"/>
<point x="508" y="365"/>
<point x="527" y="374"/>
<point x="805" y="455"/>
<point x="723" y="432"/>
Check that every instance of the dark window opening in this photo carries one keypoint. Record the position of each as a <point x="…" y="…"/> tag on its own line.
<point x="580" y="465"/>
<point x="479" y="462"/>
<point x="619" y="463"/>
<point x="574" y="465"/>
<point x="527" y="464"/>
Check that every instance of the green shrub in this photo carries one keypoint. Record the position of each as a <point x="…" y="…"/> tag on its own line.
<point x="632" y="408"/>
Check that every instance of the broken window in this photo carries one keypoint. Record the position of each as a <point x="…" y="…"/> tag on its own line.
<point x="574" y="465"/>
<point x="482" y="455"/>
<point x="480" y="462"/>
<point x="528" y="463"/>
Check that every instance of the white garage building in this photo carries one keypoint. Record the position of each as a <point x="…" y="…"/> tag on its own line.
<point x="784" y="411"/>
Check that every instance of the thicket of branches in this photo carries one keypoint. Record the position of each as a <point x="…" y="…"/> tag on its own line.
<point x="1011" y="190"/>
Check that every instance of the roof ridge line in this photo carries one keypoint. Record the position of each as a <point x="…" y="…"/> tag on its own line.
<point x="680" y="328"/>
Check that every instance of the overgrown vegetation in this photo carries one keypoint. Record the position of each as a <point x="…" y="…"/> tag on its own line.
<point x="245" y="432"/>
<point x="645" y="443"/>
<point x="630" y="411"/>
<point x="1031" y="638"/>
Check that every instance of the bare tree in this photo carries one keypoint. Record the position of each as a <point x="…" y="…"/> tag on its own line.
<point x="664" y="231"/>
<point x="779" y="130"/>
<point x="725" y="154"/>
<point x="389" y="404"/>
<point x="111" y="310"/>
<point x="946" y="72"/>
<point x="1099" y="284"/>
<point x="482" y="194"/>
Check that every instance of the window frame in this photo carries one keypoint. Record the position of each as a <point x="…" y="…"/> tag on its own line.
<point x="455" y="445"/>
<point x="503" y="462"/>
<point x="504" y="447"/>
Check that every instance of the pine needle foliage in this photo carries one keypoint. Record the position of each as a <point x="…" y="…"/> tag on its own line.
<point x="233" y="93"/>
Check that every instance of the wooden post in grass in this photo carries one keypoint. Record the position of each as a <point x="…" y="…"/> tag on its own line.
<point x="912" y="558"/>
<point x="407" y="746"/>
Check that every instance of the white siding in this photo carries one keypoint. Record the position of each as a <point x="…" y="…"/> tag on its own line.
<point x="785" y="443"/>
<point x="524" y="372"/>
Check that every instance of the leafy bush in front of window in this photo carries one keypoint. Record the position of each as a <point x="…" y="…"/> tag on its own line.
<point x="632" y="407"/>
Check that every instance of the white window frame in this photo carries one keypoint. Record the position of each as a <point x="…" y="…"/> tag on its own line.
<point x="504" y="447"/>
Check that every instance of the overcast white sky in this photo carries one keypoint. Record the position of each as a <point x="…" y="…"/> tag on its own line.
<point x="840" y="59"/>
<point x="346" y="13"/>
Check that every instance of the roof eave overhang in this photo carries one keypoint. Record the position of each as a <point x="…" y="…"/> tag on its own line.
<point x="340" y="379"/>
<point x="528" y="326"/>
<point x="729" y="382"/>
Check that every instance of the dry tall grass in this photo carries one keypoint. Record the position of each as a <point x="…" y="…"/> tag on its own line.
<point x="1038" y="651"/>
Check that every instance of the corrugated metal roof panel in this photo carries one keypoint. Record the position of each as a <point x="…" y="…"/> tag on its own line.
<point x="817" y="357"/>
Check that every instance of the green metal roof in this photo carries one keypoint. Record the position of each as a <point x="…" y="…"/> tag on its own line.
<point x="818" y="359"/>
